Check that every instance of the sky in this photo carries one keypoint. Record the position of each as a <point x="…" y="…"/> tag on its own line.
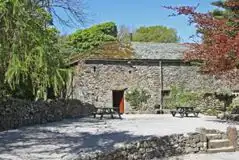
<point x="136" y="13"/>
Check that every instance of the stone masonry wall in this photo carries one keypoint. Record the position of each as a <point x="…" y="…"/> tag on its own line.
<point x="15" y="113"/>
<point x="162" y="147"/>
<point x="154" y="147"/>
<point x="190" y="78"/>
<point x="94" y="82"/>
<point x="96" y="87"/>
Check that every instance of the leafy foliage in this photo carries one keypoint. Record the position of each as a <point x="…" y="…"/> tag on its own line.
<point x="209" y="104"/>
<point x="219" y="30"/>
<point x="65" y="49"/>
<point x="30" y="60"/>
<point x="234" y="107"/>
<point x="180" y="97"/>
<point x="88" y="39"/>
<point x="137" y="97"/>
<point x="158" y="34"/>
<point x="98" y="41"/>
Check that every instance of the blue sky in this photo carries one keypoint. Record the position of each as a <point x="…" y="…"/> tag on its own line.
<point x="135" y="13"/>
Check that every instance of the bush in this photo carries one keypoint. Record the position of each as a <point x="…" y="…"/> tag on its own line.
<point x="88" y="39"/>
<point x="180" y="97"/>
<point x="209" y="104"/>
<point x="234" y="107"/>
<point x="137" y="97"/>
<point x="108" y="28"/>
<point x="211" y="112"/>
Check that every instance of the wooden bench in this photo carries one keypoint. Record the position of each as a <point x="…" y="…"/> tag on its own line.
<point x="185" y="111"/>
<point x="106" y="111"/>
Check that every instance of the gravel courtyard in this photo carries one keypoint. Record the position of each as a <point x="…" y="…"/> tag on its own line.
<point x="69" y="138"/>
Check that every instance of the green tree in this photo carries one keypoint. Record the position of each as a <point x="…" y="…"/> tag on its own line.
<point x="66" y="50"/>
<point x="158" y="34"/>
<point x="99" y="41"/>
<point x="88" y="39"/>
<point x="30" y="59"/>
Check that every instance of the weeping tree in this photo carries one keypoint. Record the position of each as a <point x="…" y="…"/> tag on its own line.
<point x="30" y="60"/>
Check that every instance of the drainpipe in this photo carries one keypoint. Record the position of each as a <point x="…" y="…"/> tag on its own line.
<point x="131" y="37"/>
<point x="161" y="85"/>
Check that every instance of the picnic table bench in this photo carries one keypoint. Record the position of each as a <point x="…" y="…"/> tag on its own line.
<point x="185" y="111"/>
<point x="107" y="111"/>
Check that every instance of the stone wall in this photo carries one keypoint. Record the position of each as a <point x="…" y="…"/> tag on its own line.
<point x="15" y="113"/>
<point x="190" y="78"/>
<point x="154" y="147"/>
<point x="96" y="87"/>
<point x="94" y="82"/>
<point x="166" y="146"/>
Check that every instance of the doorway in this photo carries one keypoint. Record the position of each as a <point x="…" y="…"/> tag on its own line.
<point x="118" y="100"/>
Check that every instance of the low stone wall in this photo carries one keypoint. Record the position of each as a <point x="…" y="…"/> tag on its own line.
<point x="154" y="147"/>
<point x="166" y="146"/>
<point x="228" y="117"/>
<point x="15" y="113"/>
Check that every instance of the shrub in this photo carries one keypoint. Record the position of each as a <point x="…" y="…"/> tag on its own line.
<point x="234" y="107"/>
<point x="98" y="41"/>
<point x="180" y="97"/>
<point x="88" y="39"/>
<point x="108" y="28"/>
<point x="210" y="105"/>
<point x="137" y="97"/>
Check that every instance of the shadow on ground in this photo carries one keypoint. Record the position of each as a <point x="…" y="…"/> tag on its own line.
<point x="229" y="122"/>
<point x="57" y="138"/>
<point x="178" y="116"/>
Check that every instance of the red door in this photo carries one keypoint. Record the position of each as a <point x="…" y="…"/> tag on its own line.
<point x="118" y="101"/>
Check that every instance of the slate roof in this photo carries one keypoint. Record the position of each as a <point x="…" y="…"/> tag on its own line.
<point x="159" y="50"/>
<point x="148" y="51"/>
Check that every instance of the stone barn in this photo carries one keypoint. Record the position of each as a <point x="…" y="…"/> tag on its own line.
<point x="104" y="82"/>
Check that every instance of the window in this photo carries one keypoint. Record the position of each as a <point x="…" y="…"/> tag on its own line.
<point x="166" y="93"/>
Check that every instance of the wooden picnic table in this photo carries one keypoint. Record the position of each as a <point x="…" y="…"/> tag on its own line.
<point x="185" y="111"/>
<point x="106" y="110"/>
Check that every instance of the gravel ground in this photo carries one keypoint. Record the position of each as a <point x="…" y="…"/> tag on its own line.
<point x="69" y="138"/>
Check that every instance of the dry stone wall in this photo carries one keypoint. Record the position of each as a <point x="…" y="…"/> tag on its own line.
<point x="166" y="146"/>
<point x="96" y="86"/>
<point x="15" y="113"/>
<point x="190" y="78"/>
<point x="154" y="147"/>
<point x="94" y="82"/>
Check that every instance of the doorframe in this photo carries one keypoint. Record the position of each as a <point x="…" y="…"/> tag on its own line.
<point x="121" y="110"/>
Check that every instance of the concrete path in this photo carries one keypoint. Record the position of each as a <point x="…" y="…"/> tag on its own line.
<point x="70" y="138"/>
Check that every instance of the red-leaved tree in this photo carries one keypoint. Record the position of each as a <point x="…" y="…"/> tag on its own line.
<point x="219" y="30"/>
